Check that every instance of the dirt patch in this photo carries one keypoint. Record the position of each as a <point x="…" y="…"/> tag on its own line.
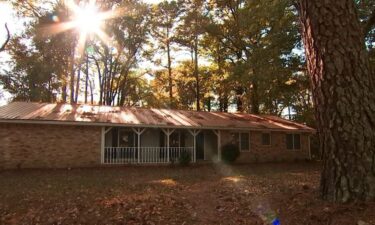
<point x="202" y="194"/>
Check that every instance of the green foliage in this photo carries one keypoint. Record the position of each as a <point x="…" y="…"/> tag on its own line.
<point x="257" y="38"/>
<point x="243" y="54"/>
<point x="37" y="69"/>
<point x="229" y="153"/>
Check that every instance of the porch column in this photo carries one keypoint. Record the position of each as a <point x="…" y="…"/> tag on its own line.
<point x="194" y="133"/>
<point x="168" y="132"/>
<point x="309" y="143"/>
<point x="103" y="133"/>
<point x="102" y="147"/>
<point x="139" y="131"/>
<point x="218" y="134"/>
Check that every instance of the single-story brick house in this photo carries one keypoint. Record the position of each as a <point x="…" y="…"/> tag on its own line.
<point x="34" y="135"/>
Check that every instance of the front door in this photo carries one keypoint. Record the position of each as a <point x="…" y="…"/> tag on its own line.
<point x="199" y="146"/>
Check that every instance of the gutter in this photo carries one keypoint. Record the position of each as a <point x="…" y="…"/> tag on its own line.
<point x="101" y="124"/>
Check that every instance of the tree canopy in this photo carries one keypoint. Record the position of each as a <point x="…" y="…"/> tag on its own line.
<point x="219" y="55"/>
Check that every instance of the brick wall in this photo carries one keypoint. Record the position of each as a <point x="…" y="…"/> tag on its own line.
<point x="49" y="146"/>
<point x="59" y="146"/>
<point x="276" y="152"/>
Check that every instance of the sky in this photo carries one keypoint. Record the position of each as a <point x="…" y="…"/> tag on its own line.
<point x="15" y="25"/>
<point x="7" y="16"/>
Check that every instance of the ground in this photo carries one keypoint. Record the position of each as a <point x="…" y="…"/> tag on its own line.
<point x="199" y="194"/>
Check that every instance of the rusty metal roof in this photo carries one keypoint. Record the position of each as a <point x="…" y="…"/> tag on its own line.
<point x="19" y="112"/>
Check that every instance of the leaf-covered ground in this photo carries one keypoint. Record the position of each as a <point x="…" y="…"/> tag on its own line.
<point x="201" y="194"/>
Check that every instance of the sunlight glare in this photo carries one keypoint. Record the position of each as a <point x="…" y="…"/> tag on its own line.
<point x="85" y="19"/>
<point x="88" y="19"/>
<point x="166" y="182"/>
<point x="234" y="179"/>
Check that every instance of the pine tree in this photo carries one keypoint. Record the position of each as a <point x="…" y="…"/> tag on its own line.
<point x="344" y="97"/>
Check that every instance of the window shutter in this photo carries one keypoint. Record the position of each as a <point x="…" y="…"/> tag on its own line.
<point x="289" y="141"/>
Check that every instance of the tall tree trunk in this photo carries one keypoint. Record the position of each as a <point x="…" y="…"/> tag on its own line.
<point x="209" y="99"/>
<point x="239" y="102"/>
<point x="100" y="79"/>
<point x="170" y="80"/>
<point x="77" y="84"/>
<point x="104" y="89"/>
<point x="2" y="48"/>
<point x="122" y="97"/>
<point x="87" y="76"/>
<point x="196" y="73"/>
<point x="72" y="74"/>
<point x="63" y="92"/>
<point x="254" y="101"/>
<point x="92" y="92"/>
<point x="343" y="93"/>
<point x="225" y="100"/>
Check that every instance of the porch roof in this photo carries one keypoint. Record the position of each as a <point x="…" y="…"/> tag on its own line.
<point x="57" y="113"/>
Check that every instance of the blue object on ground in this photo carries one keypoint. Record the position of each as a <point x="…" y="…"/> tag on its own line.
<point x="276" y="221"/>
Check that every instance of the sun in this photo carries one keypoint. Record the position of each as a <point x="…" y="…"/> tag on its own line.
<point x="88" y="19"/>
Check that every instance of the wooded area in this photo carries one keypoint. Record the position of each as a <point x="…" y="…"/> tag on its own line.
<point x="247" y="54"/>
<point x="242" y="55"/>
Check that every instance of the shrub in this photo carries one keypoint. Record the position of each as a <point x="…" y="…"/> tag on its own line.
<point x="229" y="153"/>
<point x="185" y="158"/>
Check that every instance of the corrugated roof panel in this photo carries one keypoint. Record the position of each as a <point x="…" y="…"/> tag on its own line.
<point x="143" y="117"/>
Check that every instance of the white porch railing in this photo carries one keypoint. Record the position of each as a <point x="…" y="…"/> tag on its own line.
<point x="126" y="155"/>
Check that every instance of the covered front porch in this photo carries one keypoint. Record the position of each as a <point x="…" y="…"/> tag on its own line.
<point x="142" y="145"/>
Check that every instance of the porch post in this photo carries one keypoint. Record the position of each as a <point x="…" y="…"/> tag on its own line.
<point x="195" y="149"/>
<point x="168" y="132"/>
<point x="218" y="134"/>
<point x="194" y="133"/>
<point x="102" y="146"/>
<point x="104" y="132"/>
<point x="167" y="145"/>
<point x="139" y="146"/>
<point x="139" y="131"/>
<point x="219" y="145"/>
<point x="309" y="143"/>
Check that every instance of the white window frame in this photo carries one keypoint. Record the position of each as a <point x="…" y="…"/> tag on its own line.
<point x="293" y="142"/>
<point x="269" y="133"/>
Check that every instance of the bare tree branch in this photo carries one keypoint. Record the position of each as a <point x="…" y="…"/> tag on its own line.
<point x="2" y="48"/>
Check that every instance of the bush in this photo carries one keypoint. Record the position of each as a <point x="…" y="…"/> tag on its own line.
<point x="229" y="153"/>
<point x="185" y="158"/>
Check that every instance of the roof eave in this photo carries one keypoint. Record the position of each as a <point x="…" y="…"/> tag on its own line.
<point x="102" y="124"/>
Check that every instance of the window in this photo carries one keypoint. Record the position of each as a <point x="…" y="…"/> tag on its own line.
<point x="293" y="141"/>
<point x="244" y="142"/>
<point x="266" y="139"/>
<point x="241" y="140"/>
